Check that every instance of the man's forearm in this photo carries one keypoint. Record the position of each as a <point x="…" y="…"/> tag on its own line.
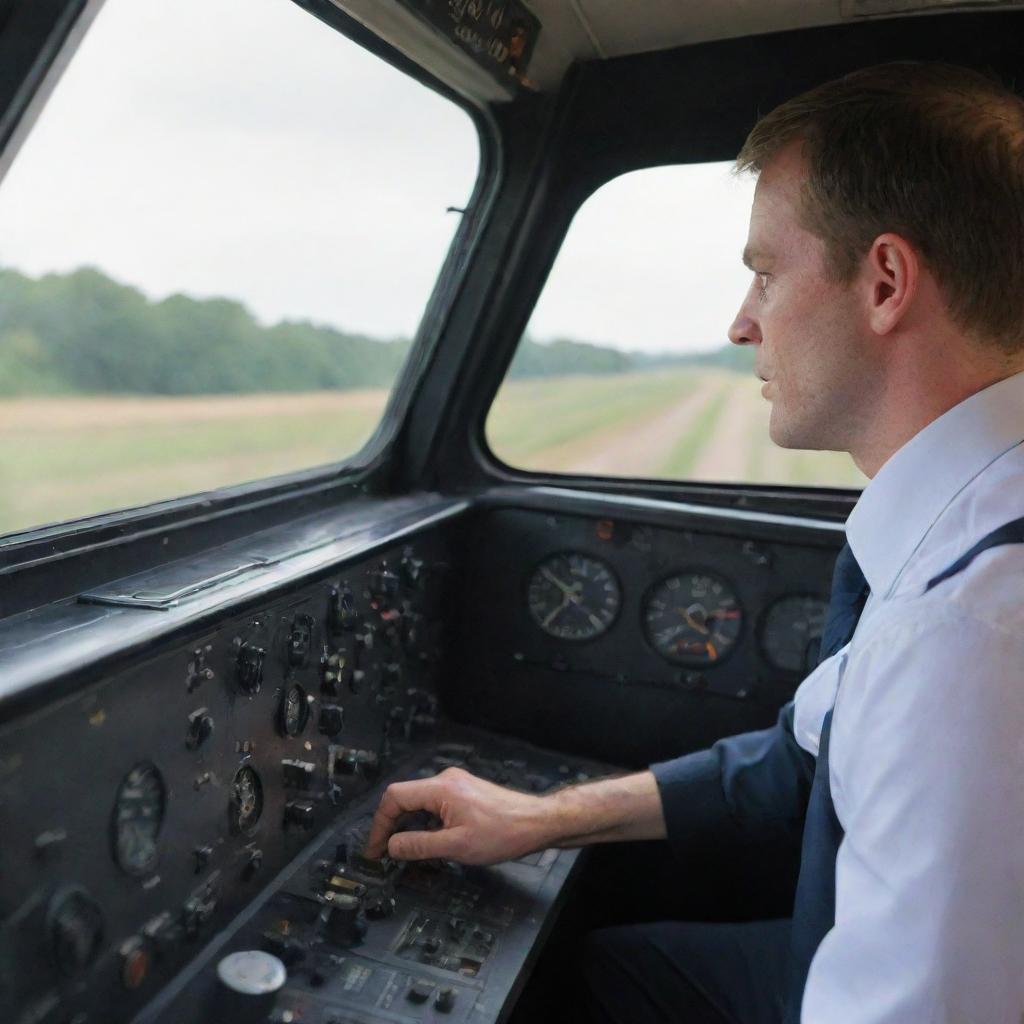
<point x="482" y="823"/>
<point x="608" y="810"/>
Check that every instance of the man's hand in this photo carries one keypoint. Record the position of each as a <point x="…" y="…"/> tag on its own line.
<point x="481" y="823"/>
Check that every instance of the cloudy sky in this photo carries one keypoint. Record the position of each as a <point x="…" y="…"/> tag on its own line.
<point x="242" y="148"/>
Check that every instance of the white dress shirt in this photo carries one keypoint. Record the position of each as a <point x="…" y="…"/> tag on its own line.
<point x="927" y="746"/>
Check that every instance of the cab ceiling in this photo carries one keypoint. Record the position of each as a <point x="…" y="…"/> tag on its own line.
<point x="587" y="30"/>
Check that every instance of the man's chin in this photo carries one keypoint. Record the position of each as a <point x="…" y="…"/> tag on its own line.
<point x="792" y="435"/>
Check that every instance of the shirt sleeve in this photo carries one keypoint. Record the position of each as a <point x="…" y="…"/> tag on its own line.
<point x="926" y="762"/>
<point x="747" y="789"/>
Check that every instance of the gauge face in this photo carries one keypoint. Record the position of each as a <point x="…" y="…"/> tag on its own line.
<point x="294" y="711"/>
<point x="573" y="597"/>
<point x="246" y="800"/>
<point x="791" y="632"/>
<point x="138" y="816"/>
<point x="693" y="619"/>
<point x="76" y="929"/>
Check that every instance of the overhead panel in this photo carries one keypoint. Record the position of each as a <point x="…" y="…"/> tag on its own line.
<point x="413" y="35"/>
<point x="500" y="35"/>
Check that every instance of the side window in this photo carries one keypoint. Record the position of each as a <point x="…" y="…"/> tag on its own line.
<point x="215" y="247"/>
<point x="625" y="368"/>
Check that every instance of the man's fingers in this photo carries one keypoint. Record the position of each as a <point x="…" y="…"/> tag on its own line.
<point x="399" y="798"/>
<point x="445" y="844"/>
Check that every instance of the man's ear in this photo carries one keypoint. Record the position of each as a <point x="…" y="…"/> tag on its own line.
<point x="893" y="269"/>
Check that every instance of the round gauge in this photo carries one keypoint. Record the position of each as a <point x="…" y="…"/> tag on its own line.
<point x="246" y="800"/>
<point x="138" y="816"/>
<point x="791" y="632"/>
<point x="573" y="597"/>
<point x="693" y="618"/>
<point x="294" y="711"/>
<point x="75" y="924"/>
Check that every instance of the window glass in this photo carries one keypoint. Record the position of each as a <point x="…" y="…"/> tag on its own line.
<point x="625" y="368"/>
<point x="215" y="246"/>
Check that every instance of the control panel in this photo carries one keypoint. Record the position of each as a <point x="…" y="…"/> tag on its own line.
<point x="142" y="813"/>
<point x="341" y="939"/>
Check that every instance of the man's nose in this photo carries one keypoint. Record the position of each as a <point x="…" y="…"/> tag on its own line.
<point x="744" y="330"/>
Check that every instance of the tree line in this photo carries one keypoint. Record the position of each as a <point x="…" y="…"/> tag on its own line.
<point x="84" y="333"/>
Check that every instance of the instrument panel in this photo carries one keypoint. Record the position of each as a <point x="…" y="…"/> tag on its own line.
<point x="693" y="617"/>
<point x="690" y="618"/>
<point x="637" y="640"/>
<point x="143" y="812"/>
<point x="154" y="810"/>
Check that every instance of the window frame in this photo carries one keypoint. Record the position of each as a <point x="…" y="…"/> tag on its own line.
<point x="277" y="495"/>
<point x="833" y="502"/>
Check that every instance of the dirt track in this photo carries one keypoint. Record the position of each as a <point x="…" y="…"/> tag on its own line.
<point x="639" y="450"/>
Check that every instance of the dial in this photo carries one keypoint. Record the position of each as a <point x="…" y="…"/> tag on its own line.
<point x="342" y="616"/>
<point x="300" y="640"/>
<point x="75" y="924"/>
<point x="246" y="800"/>
<point x="791" y="632"/>
<point x="573" y="597"/>
<point x="138" y="815"/>
<point x="294" y="711"/>
<point x="693" y="618"/>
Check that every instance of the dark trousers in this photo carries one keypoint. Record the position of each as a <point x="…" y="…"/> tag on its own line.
<point x="647" y="939"/>
<point x="672" y="972"/>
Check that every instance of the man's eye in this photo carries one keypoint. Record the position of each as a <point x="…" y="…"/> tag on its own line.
<point x="762" y="282"/>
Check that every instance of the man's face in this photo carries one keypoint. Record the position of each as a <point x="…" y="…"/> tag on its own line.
<point x="812" y="350"/>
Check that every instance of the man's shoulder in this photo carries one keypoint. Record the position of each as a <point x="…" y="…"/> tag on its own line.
<point x="987" y="595"/>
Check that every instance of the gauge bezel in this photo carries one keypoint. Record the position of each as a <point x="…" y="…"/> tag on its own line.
<point x="139" y="869"/>
<point x="282" y="715"/>
<point x="578" y="553"/>
<point x="762" y="648"/>
<point x="60" y="899"/>
<point x="237" y="829"/>
<point x="689" y="662"/>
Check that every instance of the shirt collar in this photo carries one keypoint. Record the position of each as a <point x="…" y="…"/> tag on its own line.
<point x="913" y="488"/>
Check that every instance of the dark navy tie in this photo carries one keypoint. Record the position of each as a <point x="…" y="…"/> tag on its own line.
<point x="849" y="593"/>
<point x="814" y="911"/>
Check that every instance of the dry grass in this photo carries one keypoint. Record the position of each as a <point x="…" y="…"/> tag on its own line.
<point x="62" y="458"/>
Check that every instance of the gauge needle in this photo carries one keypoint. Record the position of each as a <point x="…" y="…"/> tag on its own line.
<point x="565" y="604"/>
<point x="571" y="591"/>
<point x="692" y="622"/>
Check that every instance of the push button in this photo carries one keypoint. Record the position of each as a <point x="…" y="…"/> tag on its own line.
<point x="420" y="991"/>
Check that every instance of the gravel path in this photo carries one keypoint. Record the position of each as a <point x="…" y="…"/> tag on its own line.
<point x="742" y="427"/>
<point x="636" y="450"/>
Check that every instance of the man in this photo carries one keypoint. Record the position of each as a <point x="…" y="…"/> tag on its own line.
<point x="887" y="309"/>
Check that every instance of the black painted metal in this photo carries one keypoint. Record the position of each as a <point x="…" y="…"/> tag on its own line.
<point x="57" y="648"/>
<point x="691" y="104"/>
<point x="33" y="34"/>
<point x="45" y="564"/>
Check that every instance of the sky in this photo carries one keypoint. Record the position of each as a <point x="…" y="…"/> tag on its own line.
<point x="243" y="148"/>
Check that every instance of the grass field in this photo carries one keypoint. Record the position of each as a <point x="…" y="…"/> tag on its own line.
<point x="62" y="458"/>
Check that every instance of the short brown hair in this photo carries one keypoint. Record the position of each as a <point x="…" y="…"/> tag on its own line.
<point x="932" y="152"/>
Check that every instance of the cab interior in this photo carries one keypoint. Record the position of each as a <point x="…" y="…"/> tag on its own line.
<point x="202" y="698"/>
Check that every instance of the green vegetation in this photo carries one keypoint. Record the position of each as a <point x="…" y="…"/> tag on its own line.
<point x="109" y="399"/>
<point x="84" y="333"/>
